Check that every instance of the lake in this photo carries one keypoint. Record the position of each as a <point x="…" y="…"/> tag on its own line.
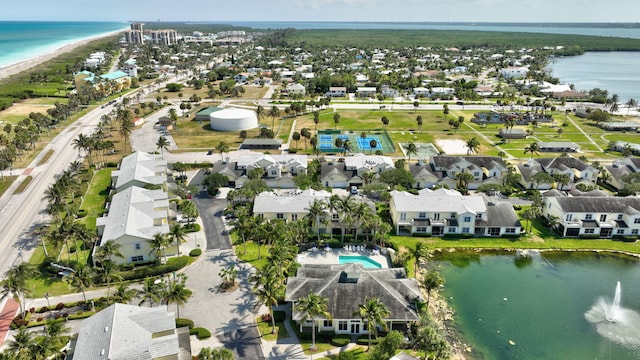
<point x="617" y="72"/>
<point x="539" y="304"/>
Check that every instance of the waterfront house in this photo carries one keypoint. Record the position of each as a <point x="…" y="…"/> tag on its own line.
<point x="445" y="212"/>
<point x="346" y="287"/>
<point x="593" y="214"/>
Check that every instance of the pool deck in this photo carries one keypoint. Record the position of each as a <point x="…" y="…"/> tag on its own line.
<point x="321" y="256"/>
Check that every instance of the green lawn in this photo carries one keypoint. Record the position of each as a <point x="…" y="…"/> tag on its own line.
<point x="94" y="200"/>
<point x="251" y="256"/>
<point x="265" y="330"/>
<point x="355" y="354"/>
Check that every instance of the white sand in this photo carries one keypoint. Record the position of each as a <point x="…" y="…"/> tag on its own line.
<point x="453" y="146"/>
<point x="28" y="64"/>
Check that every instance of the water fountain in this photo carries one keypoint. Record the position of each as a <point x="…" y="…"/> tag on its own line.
<point x="614" y="321"/>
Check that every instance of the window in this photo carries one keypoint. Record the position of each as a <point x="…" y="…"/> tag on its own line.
<point x="589" y="231"/>
<point x="452" y="216"/>
<point x="476" y="174"/>
<point x="138" y="247"/>
<point x="335" y="216"/>
<point x="294" y="217"/>
<point x="465" y="230"/>
<point x="510" y="230"/>
<point x="422" y="215"/>
<point x="261" y="215"/>
<point x="342" y="325"/>
<point x="436" y="216"/>
<point x="421" y="229"/>
<point x="636" y="221"/>
<point x="327" y="323"/>
<point x="452" y="230"/>
<point x="603" y="217"/>
<point x="588" y="216"/>
<point x="137" y="258"/>
<point x="620" y="232"/>
<point x="280" y="216"/>
<point x="569" y="217"/>
<point x="467" y="219"/>
<point x="403" y="216"/>
<point x="479" y="216"/>
<point x="634" y="232"/>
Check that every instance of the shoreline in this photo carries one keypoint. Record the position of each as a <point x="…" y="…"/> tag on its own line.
<point x="27" y="64"/>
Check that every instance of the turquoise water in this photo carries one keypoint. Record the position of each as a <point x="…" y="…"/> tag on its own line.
<point x="23" y="40"/>
<point x="365" y="261"/>
<point x="617" y="72"/>
<point x="539" y="305"/>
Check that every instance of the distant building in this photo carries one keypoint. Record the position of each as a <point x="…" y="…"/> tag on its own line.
<point x="135" y="34"/>
<point x="558" y="146"/>
<point x="164" y="37"/>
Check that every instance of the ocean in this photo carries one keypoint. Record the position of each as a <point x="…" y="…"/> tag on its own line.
<point x="23" y="40"/>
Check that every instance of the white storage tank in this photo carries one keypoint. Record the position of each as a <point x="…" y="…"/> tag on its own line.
<point x="233" y="119"/>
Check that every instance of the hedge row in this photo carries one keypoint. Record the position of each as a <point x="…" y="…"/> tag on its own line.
<point x="172" y="265"/>
<point x="181" y="322"/>
<point x="341" y="340"/>
<point x="200" y="333"/>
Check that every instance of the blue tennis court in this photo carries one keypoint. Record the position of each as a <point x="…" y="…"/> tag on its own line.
<point x="365" y="144"/>
<point x="326" y="142"/>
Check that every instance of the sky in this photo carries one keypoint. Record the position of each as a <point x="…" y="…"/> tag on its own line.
<point x="326" y="10"/>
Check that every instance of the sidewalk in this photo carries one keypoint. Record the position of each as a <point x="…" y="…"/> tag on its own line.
<point x="6" y="316"/>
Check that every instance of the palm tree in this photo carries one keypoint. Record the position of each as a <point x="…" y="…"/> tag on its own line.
<point x="274" y="113"/>
<point x="162" y="144"/>
<point x="472" y="145"/>
<point x="20" y="346"/>
<point x="222" y="148"/>
<point x="385" y="122"/>
<point x="123" y="294"/>
<point x="374" y="312"/>
<point x="411" y="149"/>
<point x="178" y="234"/>
<point x="430" y="281"/>
<point x="151" y="291"/>
<point x="108" y="250"/>
<point x="336" y="120"/>
<point x="445" y="111"/>
<point x="108" y="274"/>
<point x="333" y="207"/>
<point x="316" y="211"/>
<point x="159" y="244"/>
<point x="267" y="286"/>
<point x="420" y="252"/>
<point x="126" y="127"/>
<point x="347" y="147"/>
<point x="419" y="121"/>
<point x="177" y="292"/>
<point x="83" y="142"/>
<point x="631" y="104"/>
<point x="372" y="145"/>
<point x="532" y="148"/>
<point x="260" y="112"/>
<point x="316" y="120"/>
<point x="312" y="307"/>
<point x="463" y="178"/>
<point x="80" y="279"/>
<point x="15" y="283"/>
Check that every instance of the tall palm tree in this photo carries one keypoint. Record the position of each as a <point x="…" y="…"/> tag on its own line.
<point x="83" y="142"/>
<point x="472" y="145"/>
<point x="126" y="127"/>
<point x="162" y="144"/>
<point x="463" y="179"/>
<point x="431" y="280"/>
<point x="419" y="121"/>
<point x="411" y="150"/>
<point x="385" y="122"/>
<point x="374" y="312"/>
<point x="317" y="210"/>
<point x="177" y="292"/>
<point x="108" y="250"/>
<point x="274" y="113"/>
<point x="336" y="120"/>
<point x="419" y="253"/>
<point x="222" y="148"/>
<point x="159" y="244"/>
<point x="332" y="207"/>
<point x="316" y="120"/>
<point x="312" y="307"/>
<point x="260" y="112"/>
<point x="151" y="291"/>
<point x="15" y="283"/>
<point x="267" y="286"/>
<point x="532" y="148"/>
<point x="178" y="234"/>
<point x="109" y="273"/>
<point x="360" y="212"/>
<point x="631" y="103"/>
<point x="80" y="279"/>
<point x="123" y="294"/>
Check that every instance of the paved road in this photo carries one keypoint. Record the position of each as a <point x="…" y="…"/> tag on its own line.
<point x="211" y="213"/>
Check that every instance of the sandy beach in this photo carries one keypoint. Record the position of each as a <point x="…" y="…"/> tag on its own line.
<point x="29" y="63"/>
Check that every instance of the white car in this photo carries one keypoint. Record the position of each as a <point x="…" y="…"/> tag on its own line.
<point x="353" y="190"/>
<point x="182" y="220"/>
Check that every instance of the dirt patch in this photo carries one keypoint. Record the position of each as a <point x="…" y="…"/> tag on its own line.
<point x="18" y="111"/>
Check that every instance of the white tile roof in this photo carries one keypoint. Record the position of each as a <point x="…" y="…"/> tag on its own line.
<point x="295" y="201"/>
<point x="140" y="166"/>
<point x="441" y="200"/>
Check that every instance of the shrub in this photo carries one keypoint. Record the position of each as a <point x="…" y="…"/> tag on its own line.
<point x="195" y="252"/>
<point x="172" y="265"/>
<point x="364" y="340"/>
<point x="43" y="309"/>
<point x="200" y="332"/>
<point x="340" y="340"/>
<point x="279" y="316"/>
<point x="182" y="322"/>
<point x="32" y="310"/>
<point x="60" y="306"/>
<point x="193" y="227"/>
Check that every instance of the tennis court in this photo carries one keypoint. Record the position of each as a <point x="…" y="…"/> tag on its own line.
<point x="326" y="142"/>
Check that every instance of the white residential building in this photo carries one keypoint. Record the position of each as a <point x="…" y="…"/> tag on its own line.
<point x="139" y="169"/>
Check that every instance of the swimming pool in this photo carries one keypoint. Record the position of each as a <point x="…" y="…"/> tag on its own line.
<point x="365" y="261"/>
